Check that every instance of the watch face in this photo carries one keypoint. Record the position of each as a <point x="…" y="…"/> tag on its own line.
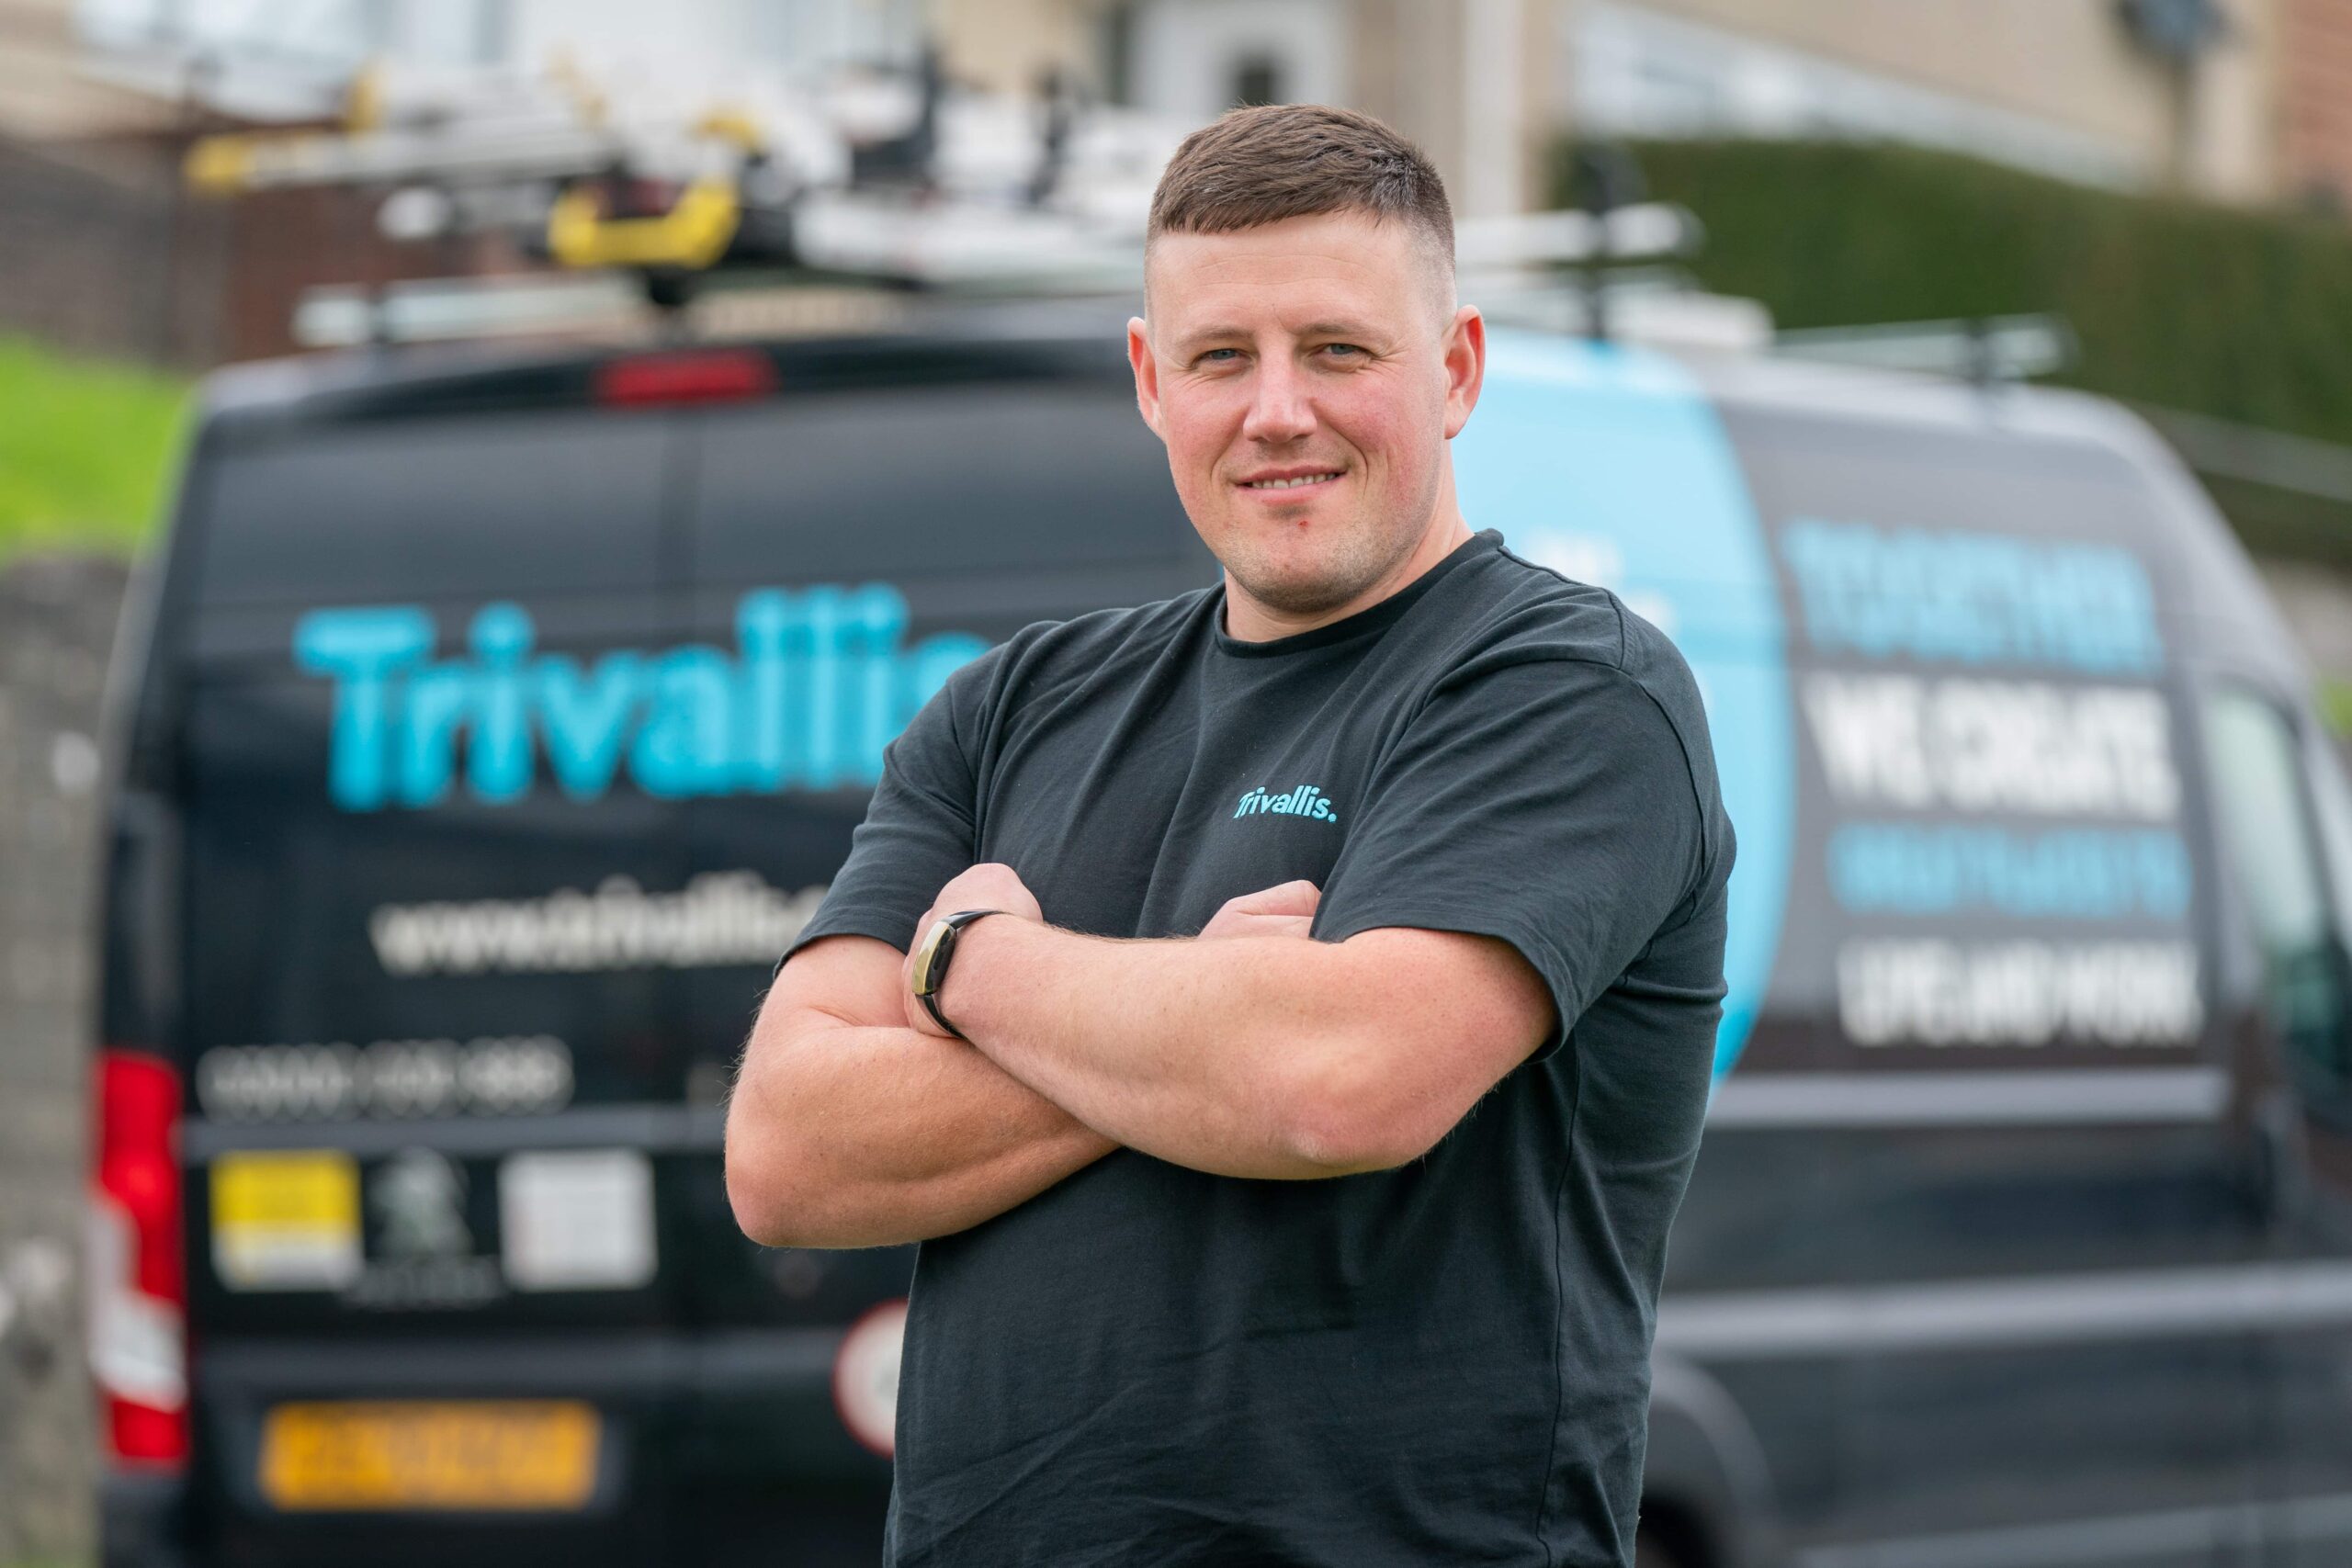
<point x="928" y="951"/>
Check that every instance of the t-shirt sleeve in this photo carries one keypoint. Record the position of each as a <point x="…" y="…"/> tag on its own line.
<point x="920" y="829"/>
<point x="1547" y="802"/>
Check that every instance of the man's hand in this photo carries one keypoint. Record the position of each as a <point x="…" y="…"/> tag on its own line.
<point x="848" y="1129"/>
<point x="989" y="886"/>
<point x="1286" y="910"/>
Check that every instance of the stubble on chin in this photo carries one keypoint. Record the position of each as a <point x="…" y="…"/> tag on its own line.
<point x="1348" y="574"/>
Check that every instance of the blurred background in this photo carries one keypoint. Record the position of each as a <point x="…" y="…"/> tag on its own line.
<point x="2160" y="189"/>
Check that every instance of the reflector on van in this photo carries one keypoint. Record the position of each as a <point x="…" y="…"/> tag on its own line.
<point x="701" y="376"/>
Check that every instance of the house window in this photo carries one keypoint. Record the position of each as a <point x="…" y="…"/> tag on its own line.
<point x="1257" y="79"/>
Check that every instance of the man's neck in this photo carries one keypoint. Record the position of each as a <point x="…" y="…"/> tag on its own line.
<point x="1247" y="620"/>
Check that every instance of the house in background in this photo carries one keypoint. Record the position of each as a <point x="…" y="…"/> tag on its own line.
<point x="2245" y="101"/>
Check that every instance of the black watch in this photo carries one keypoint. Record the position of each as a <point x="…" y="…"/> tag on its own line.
<point x="930" y="961"/>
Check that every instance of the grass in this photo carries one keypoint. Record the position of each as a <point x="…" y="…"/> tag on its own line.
<point x="2335" y="704"/>
<point x="85" y="450"/>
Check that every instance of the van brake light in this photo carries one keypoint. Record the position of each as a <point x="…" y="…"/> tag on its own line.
<point x="713" y="375"/>
<point x="138" y="1299"/>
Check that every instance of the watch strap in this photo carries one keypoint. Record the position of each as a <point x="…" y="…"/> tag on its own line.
<point x="935" y="973"/>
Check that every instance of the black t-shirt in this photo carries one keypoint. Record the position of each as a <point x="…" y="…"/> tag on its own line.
<point x="1445" y="1362"/>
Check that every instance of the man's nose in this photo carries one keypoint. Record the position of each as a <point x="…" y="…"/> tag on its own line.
<point x="1280" y="410"/>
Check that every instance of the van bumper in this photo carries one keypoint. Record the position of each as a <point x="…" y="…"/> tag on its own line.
<point x="141" y="1521"/>
<point x="712" y="1444"/>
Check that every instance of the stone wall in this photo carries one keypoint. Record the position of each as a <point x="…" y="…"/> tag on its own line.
<point x="57" y="620"/>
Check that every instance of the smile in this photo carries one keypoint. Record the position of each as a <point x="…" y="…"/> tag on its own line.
<point x="1300" y="483"/>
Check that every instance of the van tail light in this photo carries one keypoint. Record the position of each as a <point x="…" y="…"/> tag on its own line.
<point x="138" y="1280"/>
<point x="705" y="376"/>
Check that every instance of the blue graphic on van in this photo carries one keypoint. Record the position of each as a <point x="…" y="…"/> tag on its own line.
<point x="816" y="687"/>
<point x="1608" y="464"/>
<point x="1973" y="598"/>
<point x="1944" y="868"/>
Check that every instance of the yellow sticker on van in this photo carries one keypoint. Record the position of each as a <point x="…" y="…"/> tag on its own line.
<point x="285" y="1220"/>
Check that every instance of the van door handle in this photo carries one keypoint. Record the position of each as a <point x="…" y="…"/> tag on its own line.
<point x="2277" y="1158"/>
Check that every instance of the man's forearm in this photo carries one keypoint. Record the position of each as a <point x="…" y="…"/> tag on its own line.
<point x="866" y="1136"/>
<point x="1220" y="1055"/>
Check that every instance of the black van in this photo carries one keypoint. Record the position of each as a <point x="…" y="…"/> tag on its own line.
<point x="490" y="722"/>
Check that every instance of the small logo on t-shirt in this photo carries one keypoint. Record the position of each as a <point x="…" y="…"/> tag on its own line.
<point x="1303" y="801"/>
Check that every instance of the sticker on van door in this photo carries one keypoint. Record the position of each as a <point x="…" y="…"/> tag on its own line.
<point x="819" y="681"/>
<point x="285" y="1219"/>
<point x="492" y="1075"/>
<point x="2003" y="864"/>
<point x="719" y="918"/>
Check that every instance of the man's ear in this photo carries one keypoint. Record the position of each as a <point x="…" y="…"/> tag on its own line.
<point x="1147" y="371"/>
<point x="1465" y="367"/>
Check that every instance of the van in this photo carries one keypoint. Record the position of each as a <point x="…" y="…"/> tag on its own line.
<point x="489" y="721"/>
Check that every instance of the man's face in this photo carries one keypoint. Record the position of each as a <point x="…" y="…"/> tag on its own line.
<point x="1306" y="376"/>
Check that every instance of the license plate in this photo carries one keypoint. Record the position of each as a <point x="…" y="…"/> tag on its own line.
<point x="517" y="1455"/>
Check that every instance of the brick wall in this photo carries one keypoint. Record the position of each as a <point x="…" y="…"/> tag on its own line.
<point x="98" y="254"/>
<point x="102" y="251"/>
<point x="2315" y="101"/>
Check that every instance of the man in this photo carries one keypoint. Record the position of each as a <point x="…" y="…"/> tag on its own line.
<point x="1292" y="1151"/>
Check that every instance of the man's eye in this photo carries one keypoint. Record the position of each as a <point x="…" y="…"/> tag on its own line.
<point x="1211" y="356"/>
<point x="1344" y="350"/>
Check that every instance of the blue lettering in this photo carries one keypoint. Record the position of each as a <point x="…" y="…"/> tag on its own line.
<point x="685" y="747"/>
<point x="818" y="685"/>
<point x="498" y="754"/>
<point x="586" y="719"/>
<point x="822" y="756"/>
<point x="1973" y="598"/>
<point x="936" y="659"/>
<point x="762" y="623"/>
<point x="437" y="701"/>
<point x="361" y="650"/>
<point x="1306" y="800"/>
<point x="880" y="618"/>
<point x="2065" y="873"/>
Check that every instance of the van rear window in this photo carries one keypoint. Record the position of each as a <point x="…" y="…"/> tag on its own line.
<point x="431" y="507"/>
<point x="988" y="477"/>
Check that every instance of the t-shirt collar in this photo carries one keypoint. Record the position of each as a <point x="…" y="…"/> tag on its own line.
<point x="1372" y="618"/>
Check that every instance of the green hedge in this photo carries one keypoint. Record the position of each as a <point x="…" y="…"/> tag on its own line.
<point x="2242" y="315"/>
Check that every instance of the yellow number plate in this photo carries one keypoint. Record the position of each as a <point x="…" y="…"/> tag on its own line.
<point x="522" y="1454"/>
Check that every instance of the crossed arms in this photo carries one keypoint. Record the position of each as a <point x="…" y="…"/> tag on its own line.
<point x="1249" y="1050"/>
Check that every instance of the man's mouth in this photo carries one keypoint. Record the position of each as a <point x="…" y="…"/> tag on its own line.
<point x="1298" y="481"/>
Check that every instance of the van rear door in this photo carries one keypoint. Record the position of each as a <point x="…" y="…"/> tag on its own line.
<point x="515" y="735"/>
<point x="425" y="1187"/>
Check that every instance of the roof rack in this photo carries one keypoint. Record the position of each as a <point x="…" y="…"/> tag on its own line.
<point x="1987" y="350"/>
<point x="874" y="180"/>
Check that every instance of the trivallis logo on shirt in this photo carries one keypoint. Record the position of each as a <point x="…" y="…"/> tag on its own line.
<point x="1305" y="801"/>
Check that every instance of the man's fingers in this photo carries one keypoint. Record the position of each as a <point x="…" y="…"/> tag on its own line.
<point x="1269" y="911"/>
<point x="991" y="885"/>
<point x="1286" y="899"/>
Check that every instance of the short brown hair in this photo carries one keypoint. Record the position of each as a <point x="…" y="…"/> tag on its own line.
<point x="1277" y="161"/>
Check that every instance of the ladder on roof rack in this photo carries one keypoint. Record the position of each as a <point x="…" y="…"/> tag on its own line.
<point x="900" y="180"/>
